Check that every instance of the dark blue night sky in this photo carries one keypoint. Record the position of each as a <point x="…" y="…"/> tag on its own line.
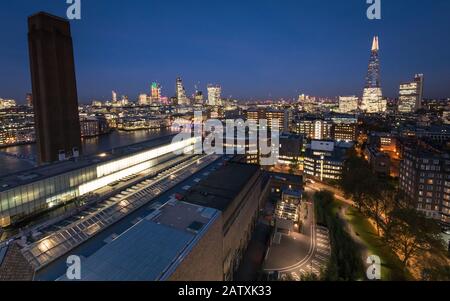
<point x="256" y="49"/>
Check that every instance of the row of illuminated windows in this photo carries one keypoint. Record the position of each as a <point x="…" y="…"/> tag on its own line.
<point x="29" y="194"/>
<point x="118" y="165"/>
<point x="26" y="198"/>
<point x="104" y="181"/>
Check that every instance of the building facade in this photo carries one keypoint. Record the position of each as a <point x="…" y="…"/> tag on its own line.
<point x="36" y="190"/>
<point x="53" y="80"/>
<point x="181" y="93"/>
<point x="348" y="104"/>
<point x="411" y="95"/>
<point x="425" y="180"/>
<point x="214" y="95"/>
<point x="324" y="160"/>
<point x="372" y="100"/>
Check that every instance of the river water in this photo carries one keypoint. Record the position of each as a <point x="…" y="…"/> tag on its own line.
<point x="90" y="146"/>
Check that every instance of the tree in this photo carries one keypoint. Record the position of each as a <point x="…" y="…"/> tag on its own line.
<point x="381" y="204"/>
<point x="345" y="262"/>
<point x="410" y="233"/>
<point x="358" y="181"/>
<point x="310" y="277"/>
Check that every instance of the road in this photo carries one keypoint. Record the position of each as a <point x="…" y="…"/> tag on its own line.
<point x="338" y="194"/>
<point x="297" y="254"/>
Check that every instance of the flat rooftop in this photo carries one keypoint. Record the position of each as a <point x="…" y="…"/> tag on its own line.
<point x="221" y="187"/>
<point x="184" y="219"/>
<point x="152" y="247"/>
<point x="10" y="181"/>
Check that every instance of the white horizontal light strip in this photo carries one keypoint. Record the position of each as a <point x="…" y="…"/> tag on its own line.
<point x="111" y="178"/>
<point x="99" y="183"/>
<point x="110" y="168"/>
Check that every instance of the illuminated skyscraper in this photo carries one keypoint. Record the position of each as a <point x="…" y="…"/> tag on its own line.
<point x="114" y="96"/>
<point x="143" y="100"/>
<point x="348" y="104"/>
<point x="198" y="97"/>
<point x="372" y="101"/>
<point x="411" y="95"/>
<point x="156" y="92"/>
<point x="214" y="95"/>
<point x="181" y="93"/>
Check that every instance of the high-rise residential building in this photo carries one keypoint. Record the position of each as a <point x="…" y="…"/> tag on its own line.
<point x="254" y="115"/>
<point x="181" y="93"/>
<point x="156" y="92"/>
<point x="425" y="179"/>
<point x="372" y="100"/>
<point x="281" y="118"/>
<point x="214" y="95"/>
<point x="53" y="80"/>
<point x="411" y="95"/>
<point x="348" y="104"/>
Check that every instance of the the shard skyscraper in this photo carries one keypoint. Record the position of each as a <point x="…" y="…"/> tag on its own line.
<point x="372" y="101"/>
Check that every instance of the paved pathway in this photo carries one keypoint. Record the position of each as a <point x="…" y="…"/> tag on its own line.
<point x="300" y="254"/>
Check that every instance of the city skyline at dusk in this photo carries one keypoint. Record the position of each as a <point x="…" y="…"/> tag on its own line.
<point x="195" y="142"/>
<point x="255" y="52"/>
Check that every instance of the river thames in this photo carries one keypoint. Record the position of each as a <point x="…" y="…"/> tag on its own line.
<point x="9" y="164"/>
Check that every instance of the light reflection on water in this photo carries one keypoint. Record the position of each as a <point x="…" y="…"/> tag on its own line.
<point x="90" y="146"/>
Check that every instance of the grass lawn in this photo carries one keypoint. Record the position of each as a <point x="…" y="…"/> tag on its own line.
<point x="391" y="268"/>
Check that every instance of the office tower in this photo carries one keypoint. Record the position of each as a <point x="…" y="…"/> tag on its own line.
<point x="372" y="101"/>
<point x="411" y="95"/>
<point x="324" y="160"/>
<point x="54" y="87"/>
<point x="114" y="96"/>
<point x="348" y="104"/>
<point x="156" y="92"/>
<point x="198" y="97"/>
<point x="124" y="101"/>
<point x="181" y="93"/>
<point x="308" y="103"/>
<point x="214" y="95"/>
<point x="143" y="100"/>
<point x="7" y="103"/>
<point x="29" y="99"/>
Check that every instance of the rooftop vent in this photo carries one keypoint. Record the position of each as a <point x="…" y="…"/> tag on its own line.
<point x="195" y="227"/>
